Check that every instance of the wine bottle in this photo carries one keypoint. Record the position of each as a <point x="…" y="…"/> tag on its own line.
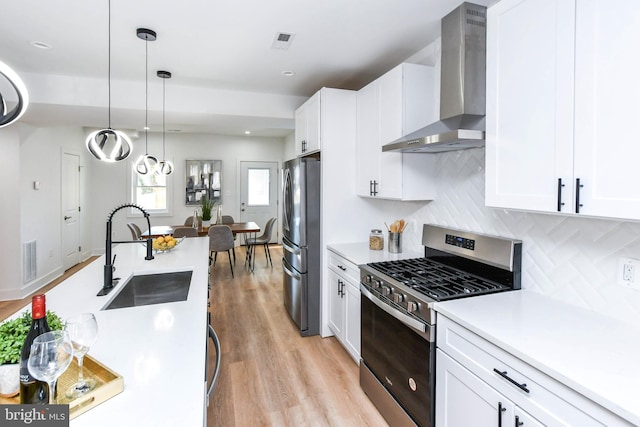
<point x="31" y="390"/>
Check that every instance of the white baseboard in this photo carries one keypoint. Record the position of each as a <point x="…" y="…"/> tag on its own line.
<point x="14" y="294"/>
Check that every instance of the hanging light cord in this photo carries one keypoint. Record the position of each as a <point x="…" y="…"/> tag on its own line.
<point x="109" y="68"/>
<point x="146" y="97"/>
<point x="163" y="110"/>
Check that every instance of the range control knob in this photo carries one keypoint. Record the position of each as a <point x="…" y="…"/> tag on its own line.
<point x="398" y="298"/>
<point x="368" y="278"/>
<point x="412" y="306"/>
<point x="378" y="284"/>
<point x="386" y="290"/>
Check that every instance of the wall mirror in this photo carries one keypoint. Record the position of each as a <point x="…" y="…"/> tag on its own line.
<point x="203" y="178"/>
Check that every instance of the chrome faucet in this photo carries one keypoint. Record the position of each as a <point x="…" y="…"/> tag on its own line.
<point x="109" y="281"/>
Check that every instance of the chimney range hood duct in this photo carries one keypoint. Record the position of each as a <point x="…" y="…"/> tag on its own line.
<point x="462" y="87"/>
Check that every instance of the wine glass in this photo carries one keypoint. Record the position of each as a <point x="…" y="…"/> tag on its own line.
<point x="83" y="332"/>
<point x="51" y="355"/>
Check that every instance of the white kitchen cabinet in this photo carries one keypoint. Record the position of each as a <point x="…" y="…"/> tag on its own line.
<point x="466" y="400"/>
<point x="344" y="309"/>
<point x="560" y="88"/>
<point x="476" y="379"/>
<point x="399" y="102"/>
<point x="308" y="126"/>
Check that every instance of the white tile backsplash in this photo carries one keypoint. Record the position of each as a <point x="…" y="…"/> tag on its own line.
<point x="569" y="258"/>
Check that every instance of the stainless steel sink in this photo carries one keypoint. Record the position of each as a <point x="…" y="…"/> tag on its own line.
<point x="150" y="289"/>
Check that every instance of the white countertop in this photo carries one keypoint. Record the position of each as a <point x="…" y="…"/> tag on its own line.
<point x="158" y="349"/>
<point x="359" y="253"/>
<point x="595" y="355"/>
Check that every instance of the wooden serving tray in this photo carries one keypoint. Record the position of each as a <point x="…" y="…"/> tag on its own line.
<point x="108" y="384"/>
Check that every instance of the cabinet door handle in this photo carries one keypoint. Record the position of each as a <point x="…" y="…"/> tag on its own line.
<point x="518" y="422"/>
<point x="501" y="409"/>
<point x="340" y="288"/>
<point x="504" y="375"/>
<point x="578" y="187"/>
<point x="342" y="268"/>
<point x="375" y="188"/>
<point x="560" y="203"/>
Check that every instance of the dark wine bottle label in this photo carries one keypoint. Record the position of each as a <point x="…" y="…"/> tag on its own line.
<point x="32" y="390"/>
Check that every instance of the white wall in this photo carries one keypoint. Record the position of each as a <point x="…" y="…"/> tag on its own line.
<point x="111" y="182"/>
<point x="11" y="259"/>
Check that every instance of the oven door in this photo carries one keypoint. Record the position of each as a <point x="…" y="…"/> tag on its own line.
<point x="401" y="357"/>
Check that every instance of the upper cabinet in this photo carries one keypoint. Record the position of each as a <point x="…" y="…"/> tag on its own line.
<point x="307" y="122"/>
<point x="561" y="94"/>
<point x="400" y="102"/>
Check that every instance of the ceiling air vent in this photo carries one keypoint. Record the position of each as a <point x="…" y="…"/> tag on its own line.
<point x="282" y="41"/>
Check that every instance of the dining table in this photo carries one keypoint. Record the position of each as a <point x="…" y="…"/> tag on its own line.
<point x="248" y="229"/>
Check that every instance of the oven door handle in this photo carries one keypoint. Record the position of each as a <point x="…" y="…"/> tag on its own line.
<point x="407" y="320"/>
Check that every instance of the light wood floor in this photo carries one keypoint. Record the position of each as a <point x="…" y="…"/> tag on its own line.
<point x="270" y="375"/>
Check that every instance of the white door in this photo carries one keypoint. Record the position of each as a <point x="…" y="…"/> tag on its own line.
<point x="259" y="194"/>
<point x="70" y="210"/>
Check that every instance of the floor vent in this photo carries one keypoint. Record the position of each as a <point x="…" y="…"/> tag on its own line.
<point x="29" y="259"/>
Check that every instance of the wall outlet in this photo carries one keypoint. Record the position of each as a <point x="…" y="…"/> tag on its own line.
<point x="628" y="273"/>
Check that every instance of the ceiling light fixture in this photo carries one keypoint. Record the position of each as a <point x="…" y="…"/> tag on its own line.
<point x="118" y="141"/>
<point x="146" y="164"/>
<point x="165" y="167"/>
<point x="8" y="117"/>
<point x="288" y="73"/>
<point x="40" y="45"/>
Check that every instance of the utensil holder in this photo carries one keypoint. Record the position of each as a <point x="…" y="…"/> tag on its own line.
<point x="395" y="242"/>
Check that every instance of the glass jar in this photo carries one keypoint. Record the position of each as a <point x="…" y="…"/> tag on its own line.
<point x="376" y="240"/>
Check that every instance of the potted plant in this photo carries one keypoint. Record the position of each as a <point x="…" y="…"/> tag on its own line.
<point x="207" y="207"/>
<point x="12" y="335"/>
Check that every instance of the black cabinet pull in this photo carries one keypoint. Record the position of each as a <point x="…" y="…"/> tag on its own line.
<point x="375" y="188"/>
<point x="560" y="185"/>
<point x="504" y="375"/>
<point x="578" y="187"/>
<point x="518" y="422"/>
<point x="340" y="288"/>
<point x="500" y="411"/>
<point x="342" y="268"/>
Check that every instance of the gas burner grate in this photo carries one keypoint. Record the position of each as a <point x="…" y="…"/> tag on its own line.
<point x="435" y="280"/>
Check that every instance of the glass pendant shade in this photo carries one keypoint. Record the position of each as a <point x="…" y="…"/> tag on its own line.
<point x="165" y="167"/>
<point x="8" y="117"/>
<point x="109" y="145"/>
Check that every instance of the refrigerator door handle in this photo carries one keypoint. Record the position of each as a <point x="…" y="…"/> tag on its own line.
<point x="290" y="248"/>
<point x="289" y="271"/>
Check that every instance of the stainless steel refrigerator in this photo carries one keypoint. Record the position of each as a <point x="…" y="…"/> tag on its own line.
<point x="301" y="243"/>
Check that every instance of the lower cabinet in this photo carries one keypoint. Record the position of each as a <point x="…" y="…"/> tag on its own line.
<point x="479" y="384"/>
<point x="466" y="400"/>
<point x="344" y="304"/>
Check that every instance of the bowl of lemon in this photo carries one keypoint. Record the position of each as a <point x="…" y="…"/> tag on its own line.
<point x="165" y="243"/>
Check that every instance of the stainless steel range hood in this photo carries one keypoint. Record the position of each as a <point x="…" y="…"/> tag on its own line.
<point x="462" y="87"/>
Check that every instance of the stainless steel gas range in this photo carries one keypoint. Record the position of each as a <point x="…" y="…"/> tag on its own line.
<point x="397" y="370"/>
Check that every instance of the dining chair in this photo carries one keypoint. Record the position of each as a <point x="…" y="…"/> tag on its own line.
<point x="189" y="221"/>
<point x="228" y="219"/>
<point x="220" y="240"/>
<point x="185" y="232"/>
<point x="136" y="233"/>
<point x="263" y="240"/>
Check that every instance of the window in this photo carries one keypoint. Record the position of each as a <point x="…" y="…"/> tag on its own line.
<point x="150" y="192"/>
<point x="258" y="187"/>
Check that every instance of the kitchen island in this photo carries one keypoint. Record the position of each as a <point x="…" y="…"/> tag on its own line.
<point x="159" y="350"/>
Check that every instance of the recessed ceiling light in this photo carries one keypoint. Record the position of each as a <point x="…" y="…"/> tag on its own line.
<point x="288" y="73"/>
<point x="146" y="128"/>
<point x="247" y="132"/>
<point x="40" y="45"/>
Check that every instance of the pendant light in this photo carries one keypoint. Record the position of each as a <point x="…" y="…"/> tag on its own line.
<point x="146" y="164"/>
<point x="118" y="141"/>
<point x="165" y="167"/>
<point x="6" y="118"/>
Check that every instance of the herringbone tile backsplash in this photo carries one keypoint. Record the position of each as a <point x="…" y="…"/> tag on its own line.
<point x="570" y="258"/>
